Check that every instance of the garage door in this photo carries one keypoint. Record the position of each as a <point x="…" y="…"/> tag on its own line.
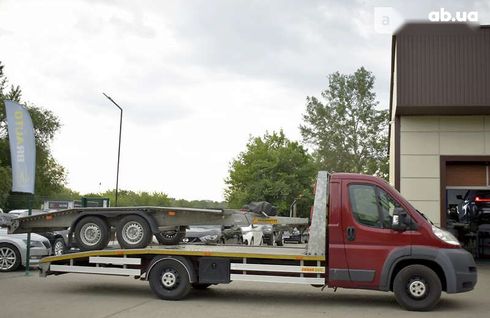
<point x="462" y="175"/>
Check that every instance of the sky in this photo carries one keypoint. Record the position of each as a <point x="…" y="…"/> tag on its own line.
<point x="196" y="79"/>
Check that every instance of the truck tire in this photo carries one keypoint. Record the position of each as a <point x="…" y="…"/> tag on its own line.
<point x="169" y="280"/>
<point x="133" y="231"/>
<point x="9" y="257"/>
<point x="92" y="233"/>
<point x="171" y="237"/>
<point x="417" y="288"/>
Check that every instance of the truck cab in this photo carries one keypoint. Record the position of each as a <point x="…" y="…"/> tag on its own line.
<point x="378" y="240"/>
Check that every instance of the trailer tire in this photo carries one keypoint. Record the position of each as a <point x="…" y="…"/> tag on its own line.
<point x="417" y="288"/>
<point x="9" y="257"/>
<point x="133" y="231"/>
<point x="171" y="237"/>
<point x="92" y="233"/>
<point x="169" y="279"/>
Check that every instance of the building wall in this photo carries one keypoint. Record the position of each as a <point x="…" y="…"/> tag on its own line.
<point x="392" y="158"/>
<point x="423" y="139"/>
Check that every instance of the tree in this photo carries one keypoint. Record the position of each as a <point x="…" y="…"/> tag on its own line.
<point x="272" y="169"/>
<point x="346" y="131"/>
<point x="132" y="198"/>
<point x="50" y="176"/>
<point x="5" y="184"/>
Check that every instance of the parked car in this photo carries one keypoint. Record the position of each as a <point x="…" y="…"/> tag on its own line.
<point x="475" y="207"/>
<point x="271" y="236"/>
<point x="231" y="235"/>
<point x="57" y="239"/>
<point x="295" y="236"/>
<point x="213" y="234"/>
<point x="206" y="234"/>
<point x="252" y="234"/>
<point x="13" y="249"/>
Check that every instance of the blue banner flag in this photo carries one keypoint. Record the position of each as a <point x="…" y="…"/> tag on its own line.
<point x="22" y="147"/>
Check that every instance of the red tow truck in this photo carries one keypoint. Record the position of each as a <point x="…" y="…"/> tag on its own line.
<point x="363" y="235"/>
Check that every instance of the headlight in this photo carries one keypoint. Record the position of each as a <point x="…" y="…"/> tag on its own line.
<point x="34" y="243"/>
<point x="445" y="236"/>
<point x="212" y="237"/>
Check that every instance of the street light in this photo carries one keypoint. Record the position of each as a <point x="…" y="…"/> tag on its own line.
<point x="119" y="148"/>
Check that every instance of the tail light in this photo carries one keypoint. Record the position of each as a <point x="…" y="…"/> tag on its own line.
<point x="478" y="199"/>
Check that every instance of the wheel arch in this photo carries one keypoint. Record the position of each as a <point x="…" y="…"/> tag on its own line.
<point x="417" y="255"/>
<point x="186" y="263"/>
<point x="433" y="265"/>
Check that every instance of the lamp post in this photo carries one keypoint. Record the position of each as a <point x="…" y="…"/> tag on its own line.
<point x="119" y="148"/>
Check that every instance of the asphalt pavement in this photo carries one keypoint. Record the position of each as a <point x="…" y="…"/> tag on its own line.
<point x="78" y="295"/>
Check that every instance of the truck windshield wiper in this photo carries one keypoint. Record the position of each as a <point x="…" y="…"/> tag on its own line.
<point x="425" y="217"/>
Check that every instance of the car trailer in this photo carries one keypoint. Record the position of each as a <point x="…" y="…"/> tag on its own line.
<point x="91" y="228"/>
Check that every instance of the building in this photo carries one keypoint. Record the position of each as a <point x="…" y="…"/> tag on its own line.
<point x="440" y="115"/>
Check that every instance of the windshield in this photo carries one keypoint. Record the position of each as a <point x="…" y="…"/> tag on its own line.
<point x="409" y="203"/>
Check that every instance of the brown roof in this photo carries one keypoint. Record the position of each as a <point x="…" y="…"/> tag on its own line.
<point x="441" y="69"/>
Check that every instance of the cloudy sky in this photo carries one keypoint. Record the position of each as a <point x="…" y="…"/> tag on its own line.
<point x="196" y="79"/>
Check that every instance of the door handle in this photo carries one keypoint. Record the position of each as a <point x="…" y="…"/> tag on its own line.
<point x="351" y="233"/>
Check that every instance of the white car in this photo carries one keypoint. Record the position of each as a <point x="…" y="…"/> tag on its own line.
<point x="252" y="235"/>
<point x="13" y="249"/>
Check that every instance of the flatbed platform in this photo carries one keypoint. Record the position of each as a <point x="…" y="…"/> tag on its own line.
<point x="229" y="251"/>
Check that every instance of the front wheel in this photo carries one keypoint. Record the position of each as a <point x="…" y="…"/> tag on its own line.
<point x="9" y="258"/>
<point x="417" y="288"/>
<point x="169" y="280"/>
<point x="92" y="233"/>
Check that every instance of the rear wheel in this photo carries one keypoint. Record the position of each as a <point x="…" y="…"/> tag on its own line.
<point x="9" y="257"/>
<point x="169" y="280"/>
<point x="133" y="232"/>
<point x="172" y="237"/>
<point x="92" y="233"/>
<point x="417" y="288"/>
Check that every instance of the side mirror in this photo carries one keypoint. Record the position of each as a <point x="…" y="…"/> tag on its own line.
<point x="399" y="222"/>
<point x="459" y="197"/>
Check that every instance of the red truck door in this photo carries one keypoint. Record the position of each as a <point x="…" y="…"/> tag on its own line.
<point x="367" y="211"/>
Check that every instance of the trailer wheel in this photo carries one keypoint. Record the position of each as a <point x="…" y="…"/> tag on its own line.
<point x="92" y="233"/>
<point x="417" y="288"/>
<point x="133" y="232"/>
<point x="9" y="257"/>
<point x="169" y="280"/>
<point x="171" y="237"/>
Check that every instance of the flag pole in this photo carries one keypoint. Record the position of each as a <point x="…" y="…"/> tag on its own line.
<point x="28" y="249"/>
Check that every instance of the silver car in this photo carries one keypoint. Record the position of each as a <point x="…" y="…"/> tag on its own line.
<point x="13" y="249"/>
<point x="207" y="234"/>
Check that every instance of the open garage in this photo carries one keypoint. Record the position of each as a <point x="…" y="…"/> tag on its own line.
<point x="440" y="126"/>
